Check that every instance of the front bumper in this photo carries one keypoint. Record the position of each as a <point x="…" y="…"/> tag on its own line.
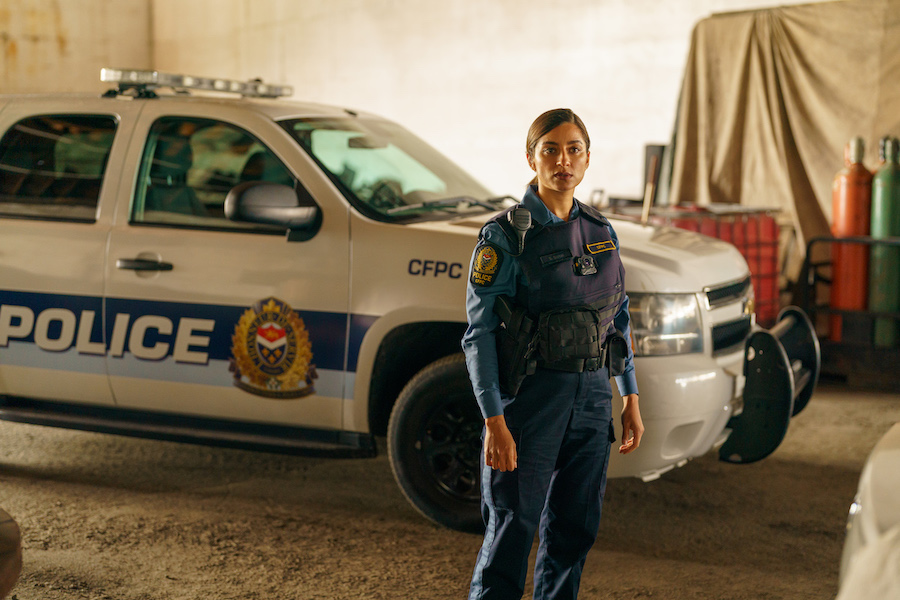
<point x="740" y="403"/>
<point x="686" y="401"/>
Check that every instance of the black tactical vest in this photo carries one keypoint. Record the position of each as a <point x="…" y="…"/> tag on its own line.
<point x="574" y="285"/>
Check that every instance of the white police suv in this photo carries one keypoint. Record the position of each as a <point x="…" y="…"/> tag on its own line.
<point x="220" y="266"/>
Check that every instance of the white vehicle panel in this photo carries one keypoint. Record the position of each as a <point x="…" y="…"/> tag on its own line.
<point x="215" y="278"/>
<point x="396" y="266"/>
<point x="872" y="548"/>
<point x="51" y="324"/>
<point x="876" y="508"/>
<point x="669" y="260"/>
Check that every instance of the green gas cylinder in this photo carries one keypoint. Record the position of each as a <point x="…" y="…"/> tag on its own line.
<point x="882" y="151"/>
<point x="884" y="261"/>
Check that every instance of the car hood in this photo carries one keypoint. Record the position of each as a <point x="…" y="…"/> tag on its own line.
<point x="656" y="259"/>
<point x="879" y="486"/>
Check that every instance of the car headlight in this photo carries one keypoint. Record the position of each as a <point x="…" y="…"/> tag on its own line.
<point x="665" y="324"/>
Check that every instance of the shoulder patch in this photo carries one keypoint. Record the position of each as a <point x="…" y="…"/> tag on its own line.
<point x="486" y="264"/>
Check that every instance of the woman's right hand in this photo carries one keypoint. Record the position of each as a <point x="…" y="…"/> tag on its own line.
<point x="499" y="445"/>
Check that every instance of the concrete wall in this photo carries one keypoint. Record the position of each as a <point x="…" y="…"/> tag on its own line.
<point x="60" y="45"/>
<point x="467" y="75"/>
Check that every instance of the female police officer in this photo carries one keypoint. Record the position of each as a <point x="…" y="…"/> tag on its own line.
<point x="549" y="287"/>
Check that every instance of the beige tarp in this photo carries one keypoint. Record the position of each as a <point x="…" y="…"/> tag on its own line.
<point x="771" y="97"/>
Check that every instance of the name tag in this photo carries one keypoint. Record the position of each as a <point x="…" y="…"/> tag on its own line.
<point x="598" y="247"/>
<point x="555" y="257"/>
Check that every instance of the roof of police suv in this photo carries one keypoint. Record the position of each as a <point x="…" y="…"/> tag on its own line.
<point x="274" y="108"/>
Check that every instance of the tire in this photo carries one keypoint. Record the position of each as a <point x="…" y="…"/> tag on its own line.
<point x="434" y="445"/>
<point x="10" y="553"/>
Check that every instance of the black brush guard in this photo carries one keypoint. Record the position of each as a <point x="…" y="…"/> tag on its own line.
<point x="781" y="367"/>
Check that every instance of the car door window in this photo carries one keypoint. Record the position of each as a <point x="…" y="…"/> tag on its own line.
<point x="189" y="165"/>
<point x="52" y="166"/>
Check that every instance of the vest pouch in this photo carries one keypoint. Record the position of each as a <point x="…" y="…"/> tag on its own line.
<point x="515" y="345"/>
<point x="569" y="333"/>
<point x="616" y="352"/>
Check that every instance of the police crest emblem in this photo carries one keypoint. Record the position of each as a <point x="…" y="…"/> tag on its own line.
<point x="271" y="352"/>
<point x="485" y="265"/>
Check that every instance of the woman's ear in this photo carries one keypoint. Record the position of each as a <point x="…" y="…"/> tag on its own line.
<point x="530" y="161"/>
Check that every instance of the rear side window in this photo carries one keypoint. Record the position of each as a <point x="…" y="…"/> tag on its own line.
<point x="52" y="166"/>
<point x="190" y="165"/>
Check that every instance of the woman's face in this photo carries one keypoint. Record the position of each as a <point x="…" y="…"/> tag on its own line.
<point x="560" y="158"/>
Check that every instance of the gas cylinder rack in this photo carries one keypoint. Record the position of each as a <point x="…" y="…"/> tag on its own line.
<point x="859" y="328"/>
<point x="857" y="357"/>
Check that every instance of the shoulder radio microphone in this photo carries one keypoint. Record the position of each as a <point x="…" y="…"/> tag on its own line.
<point x="520" y="219"/>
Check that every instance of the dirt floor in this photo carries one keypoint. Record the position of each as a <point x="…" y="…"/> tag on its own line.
<point x="106" y="517"/>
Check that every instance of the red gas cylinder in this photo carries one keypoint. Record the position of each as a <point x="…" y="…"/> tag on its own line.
<point x="851" y="206"/>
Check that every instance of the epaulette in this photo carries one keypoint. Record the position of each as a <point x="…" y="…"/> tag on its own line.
<point x="593" y="214"/>
<point x="506" y="227"/>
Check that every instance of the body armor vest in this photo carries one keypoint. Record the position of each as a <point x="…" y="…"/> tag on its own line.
<point x="573" y="288"/>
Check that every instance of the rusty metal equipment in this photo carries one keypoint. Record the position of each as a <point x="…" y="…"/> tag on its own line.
<point x="855" y="357"/>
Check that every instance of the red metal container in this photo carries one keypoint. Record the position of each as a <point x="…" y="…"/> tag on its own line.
<point x="851" y="206"/>
<point x="754" y="232"/>
<point x="756" y="236"/>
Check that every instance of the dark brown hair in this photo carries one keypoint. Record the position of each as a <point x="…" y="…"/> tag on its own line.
<point x="549" y="121"/>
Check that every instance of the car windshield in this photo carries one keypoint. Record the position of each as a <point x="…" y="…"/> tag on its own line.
<point x="387" y="173"/>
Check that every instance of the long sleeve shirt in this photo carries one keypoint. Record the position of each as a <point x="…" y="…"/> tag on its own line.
<point x="479" y="341"/>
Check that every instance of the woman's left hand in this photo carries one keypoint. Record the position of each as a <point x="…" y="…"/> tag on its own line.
<point x="632" y="426"/>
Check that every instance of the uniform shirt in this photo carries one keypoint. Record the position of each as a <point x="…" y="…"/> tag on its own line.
<point x="479" y="342"/>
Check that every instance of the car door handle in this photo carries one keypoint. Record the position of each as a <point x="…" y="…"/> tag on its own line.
<point x="142" y="264"/>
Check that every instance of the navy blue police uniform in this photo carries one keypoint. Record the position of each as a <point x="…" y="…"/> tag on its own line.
<point x="560" y="417"/>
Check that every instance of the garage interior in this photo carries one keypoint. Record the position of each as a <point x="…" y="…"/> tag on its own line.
<point x="723" y="114"/>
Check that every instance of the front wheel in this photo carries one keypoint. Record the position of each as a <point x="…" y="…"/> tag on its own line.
<point x="434" y="444"/>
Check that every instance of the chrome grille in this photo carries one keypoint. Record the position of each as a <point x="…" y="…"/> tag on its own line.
<point x="728" y="293"/>
<point x="727" y="337"/>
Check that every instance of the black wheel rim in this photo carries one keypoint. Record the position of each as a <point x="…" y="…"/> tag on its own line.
<point x="449" y="446"/>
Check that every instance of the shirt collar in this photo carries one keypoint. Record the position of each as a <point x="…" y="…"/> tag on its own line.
<point x="540" y="212"/>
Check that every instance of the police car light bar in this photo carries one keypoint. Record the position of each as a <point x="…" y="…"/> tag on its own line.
<point x="150" y="80"/>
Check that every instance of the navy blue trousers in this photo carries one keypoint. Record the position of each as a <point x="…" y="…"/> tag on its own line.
<point x="562" y="425"/>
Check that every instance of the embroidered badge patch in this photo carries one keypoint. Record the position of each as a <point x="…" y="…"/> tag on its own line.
<point x="271" y="352"/>
<point x="485" y="265"/>
<point x="598" y="247"/>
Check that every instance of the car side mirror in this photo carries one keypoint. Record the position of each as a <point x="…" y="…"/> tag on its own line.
<point x="274" y="204"/>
